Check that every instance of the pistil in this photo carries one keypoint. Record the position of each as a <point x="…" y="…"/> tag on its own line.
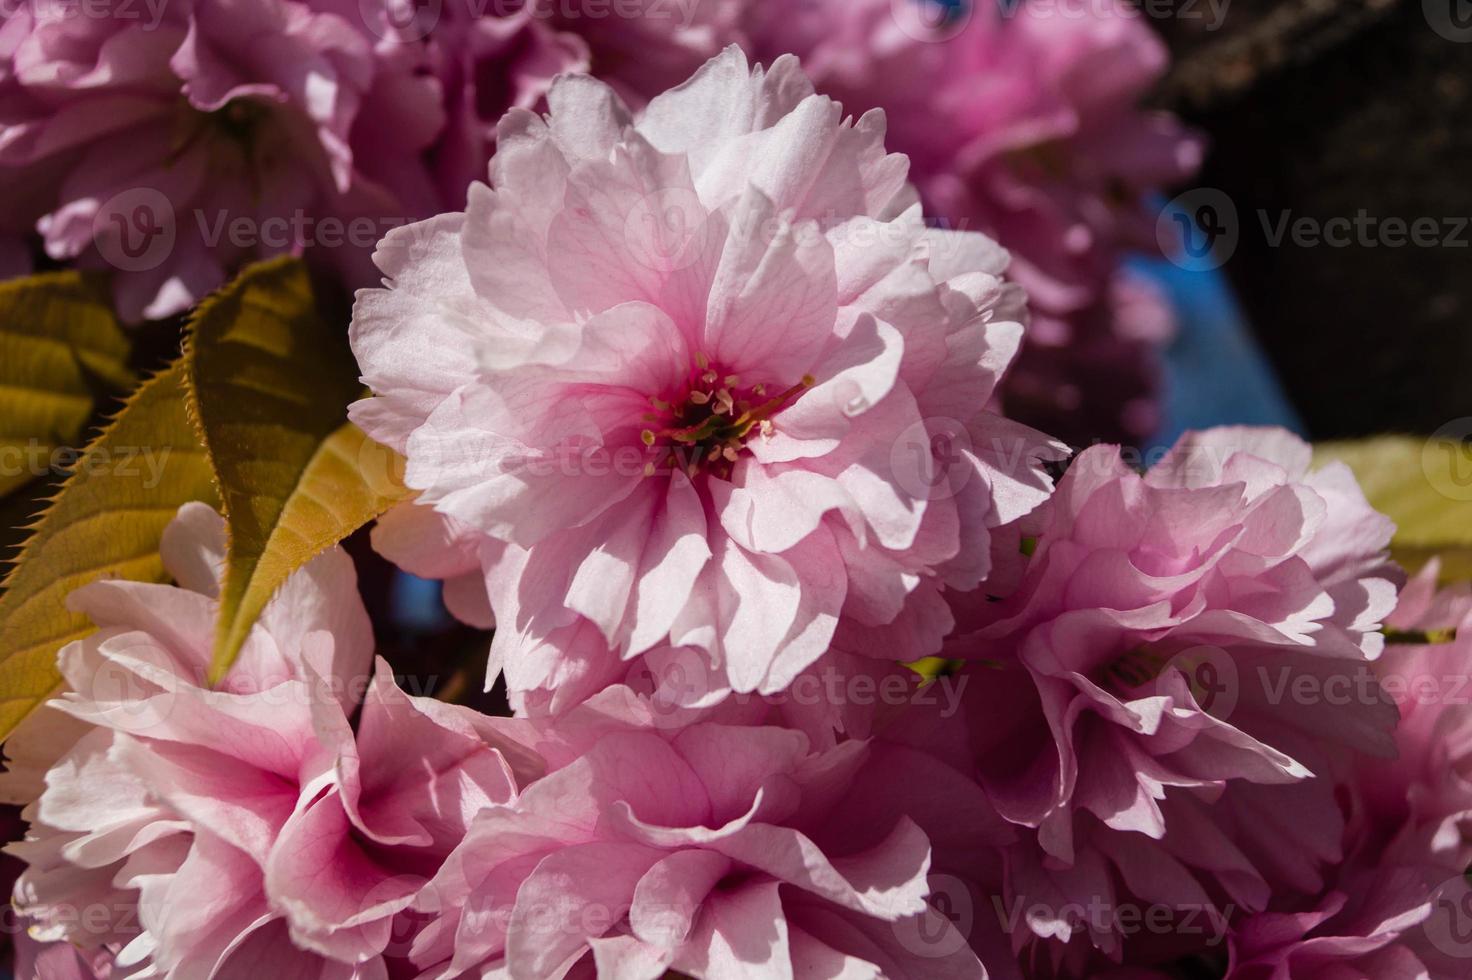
<point x="707" y="429"/>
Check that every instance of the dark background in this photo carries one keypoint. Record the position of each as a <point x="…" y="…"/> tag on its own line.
<point x="1327" y="108"/>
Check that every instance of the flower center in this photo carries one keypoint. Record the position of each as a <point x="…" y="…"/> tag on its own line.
<point x="705" y="428"/>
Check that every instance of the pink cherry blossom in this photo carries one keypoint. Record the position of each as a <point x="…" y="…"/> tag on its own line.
<point x="1379" y="925"/>
<point x="691" y="368"/>
<point x="159" y="131"/>
<point x="248" y="827"/>
<point x="1427" y="672"/>
<point x="1398" y="905"/>
<point x="1205" y="625"/>
<point x="174" y="146"/>
<point x="710" y="850"/>
<point x="1362" y="878"/>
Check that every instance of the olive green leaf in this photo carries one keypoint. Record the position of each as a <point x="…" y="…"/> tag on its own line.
<point x="270" y="379"/>
<point x="60" y="347"/>
<point x="1424" y="484"/>
<point x="105" y="521"/>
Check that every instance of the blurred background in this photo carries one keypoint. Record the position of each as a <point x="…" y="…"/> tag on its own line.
<point x="1334" y="198"/>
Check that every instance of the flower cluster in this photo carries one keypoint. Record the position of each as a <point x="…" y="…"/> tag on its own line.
<point x="818" y="665"/>
<point x="172" y="142"/>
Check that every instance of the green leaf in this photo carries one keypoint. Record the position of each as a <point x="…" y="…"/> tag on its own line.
<point x="104" y="522"/>
<point x="271" y="377"/>
<point x="60" y="347"/>
<point x="1425" y="486"/>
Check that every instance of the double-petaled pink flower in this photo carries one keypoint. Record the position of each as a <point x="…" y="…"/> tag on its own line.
<point x="713" y="850"/>
<point x="1202" y="628"/>
<point x="708" y="378"/>
<point x="202" y="832"/>
<point x="1399" y="906"/>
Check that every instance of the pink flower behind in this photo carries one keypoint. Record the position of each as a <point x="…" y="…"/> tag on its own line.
<point x="489" y="60"/>
<point x="1095" y="373"/>
<point x="174" y="147"/>
<point x="691" y="368"/>
<point x="1023" y="121"/>
<point x="194" y="829"/>
<point x="1356" y="871"/>
<point x="1425" y="671"/>
<point x="164" y="133"/>
<point x="1157" y="653"/>
<point x="642" y="47"/>
<point x="1398" y="906"/>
